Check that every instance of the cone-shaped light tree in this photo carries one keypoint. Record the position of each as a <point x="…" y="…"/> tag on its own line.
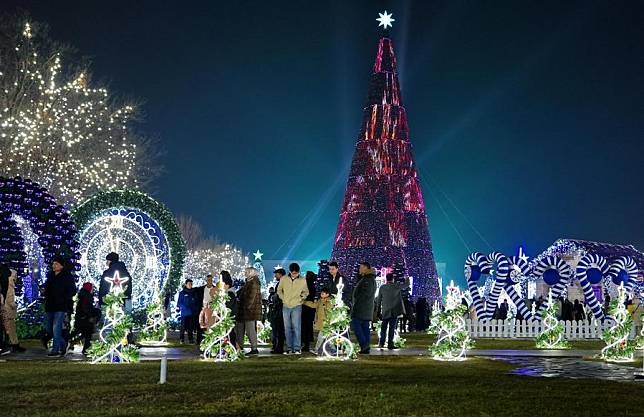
<point x="382" y="218"/>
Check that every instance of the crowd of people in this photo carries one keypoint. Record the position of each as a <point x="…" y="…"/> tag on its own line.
<point x="295" y="309"/>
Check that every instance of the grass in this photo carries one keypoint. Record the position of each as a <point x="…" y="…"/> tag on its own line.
<point x="289" y="386"/>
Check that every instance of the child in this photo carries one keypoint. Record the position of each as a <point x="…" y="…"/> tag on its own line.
<point x="322" y="305"/>
<point x="86" y="316"/>
<point x="9" y="313"/>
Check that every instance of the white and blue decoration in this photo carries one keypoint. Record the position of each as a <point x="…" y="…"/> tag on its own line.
<point x="144" y="234"/>
<point x="34" y="230"/>
<point x="591" y="270"/>
<point x="600" y="269"/>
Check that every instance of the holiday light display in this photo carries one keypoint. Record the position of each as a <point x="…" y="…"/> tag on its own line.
<point x="259" y="266"/>
<point x="216" y="344"/>
<point x="476" y="265"/>
<point x="113" y="346"/>
<point x="263" y="332"/>
<point x="623" y="271"/>
<point x="202" y="262"/>
<point x="382" y="217"/>
<point x="144" y="234"/>
<point x="552" y="335"/>
<point x="452" y="338"/>
<point x="500" y="271"/>
<point x="556" y="273"/>
<point x="337" y="345"/>
<point x="71" y="138"/>
<point x="33" y="230"/>
<point x="519" y="270"/>
<point x="618" y="346"/>
<point x="591" y="270"/>
<point x="155" y="332"/>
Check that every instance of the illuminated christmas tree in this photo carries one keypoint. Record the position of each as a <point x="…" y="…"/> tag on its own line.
<point x="336" y="330"/>
<point x="552" y="335"/>
<point x="453" y="338"/>
<point x="113" y="346"/>
<point x="259" y="266"/>
<point x="382" y="217"/>
<point x="216" y="343"/>
<point x="155" y="332"/>
<point x="618" y="346"/>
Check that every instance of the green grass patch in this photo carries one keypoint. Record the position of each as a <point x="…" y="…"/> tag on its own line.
<point x="304" y="386"/>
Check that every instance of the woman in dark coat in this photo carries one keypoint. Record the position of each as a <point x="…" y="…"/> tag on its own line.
<point x="308" y="313"/>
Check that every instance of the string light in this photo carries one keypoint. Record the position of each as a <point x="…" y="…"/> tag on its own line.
<point x="61" y="133"/>
<point x="552" y="335"/>
<point x="452" y="336"/>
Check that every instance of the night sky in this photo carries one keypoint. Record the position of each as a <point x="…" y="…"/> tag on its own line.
<point x="526" y="117"/>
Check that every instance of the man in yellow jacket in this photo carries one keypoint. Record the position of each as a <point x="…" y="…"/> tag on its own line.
<point x="292" y="290"/>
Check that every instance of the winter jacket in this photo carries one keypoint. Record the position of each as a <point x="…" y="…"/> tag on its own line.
<point x="274" y="306"/>
<point x="333" y="283"/>
<point x="105" y="286"/>
<point x="187" y="303"/>
<point x="292" y="291"/>
<point x="85" y="310"/>
<point x="321" y="306"/>
<point x="250" y="301"/>
<point x="390" y="301"/>
<point x="9" y="306"/>
<point x="59" y="292"/>
<point x="363" y="297"/>
<point x="232" y="303"/>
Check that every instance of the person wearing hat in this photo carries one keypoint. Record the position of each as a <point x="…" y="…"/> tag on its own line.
<point x="59" y="291"/>
<point x="278" y="334"/>
<point x="114" y="265"/>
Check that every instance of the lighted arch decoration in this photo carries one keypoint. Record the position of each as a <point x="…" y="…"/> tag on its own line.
<point x="500" y="276"/>
<point x="555" y="272"/>
<point x="476" y="265"/>
<point x="591" y="270"/>
<point x="144" y="234"/>
<point x="623" y="270"/>
<point x="30" y="216"/>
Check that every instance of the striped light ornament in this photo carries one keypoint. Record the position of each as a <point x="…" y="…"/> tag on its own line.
<point x="476" y="265"/>
<point x="623" y="270"/>
<point x="519" y="269"/>
<point x="501" y="275"/>
<point x="592" y="269"/>
<point x="555" y="272"/>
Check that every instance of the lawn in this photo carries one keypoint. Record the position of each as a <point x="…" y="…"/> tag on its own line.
<point x="304" y="386"/>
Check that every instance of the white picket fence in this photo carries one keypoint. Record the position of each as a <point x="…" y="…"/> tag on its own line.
<point x="574" y="330"/>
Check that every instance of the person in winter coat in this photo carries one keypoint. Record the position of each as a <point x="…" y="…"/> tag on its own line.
<point x="334" y="278"/>
<point x="9" y="309"/>
<point x="390" y="306"/>
<point x="59" y="292"/>
<point x="321" y="306"/>
<point x="86" y="316"/>
<point x="231" y="303"/>
<point x="293" y="290"/>
<point x="308" y="313"/>
<point x="114" y="265"/>
<point x="363" y="298"/>
<point x="275" y="316"/>
<point x="249" y="310"/>
<point x="203" y="295"/>
<point x="188" y="308"/>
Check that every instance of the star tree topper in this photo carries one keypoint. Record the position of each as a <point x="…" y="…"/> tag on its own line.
<point x="116" y="280"/>
<point x="258" y="255"/>
<point x="385" y="20"/>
